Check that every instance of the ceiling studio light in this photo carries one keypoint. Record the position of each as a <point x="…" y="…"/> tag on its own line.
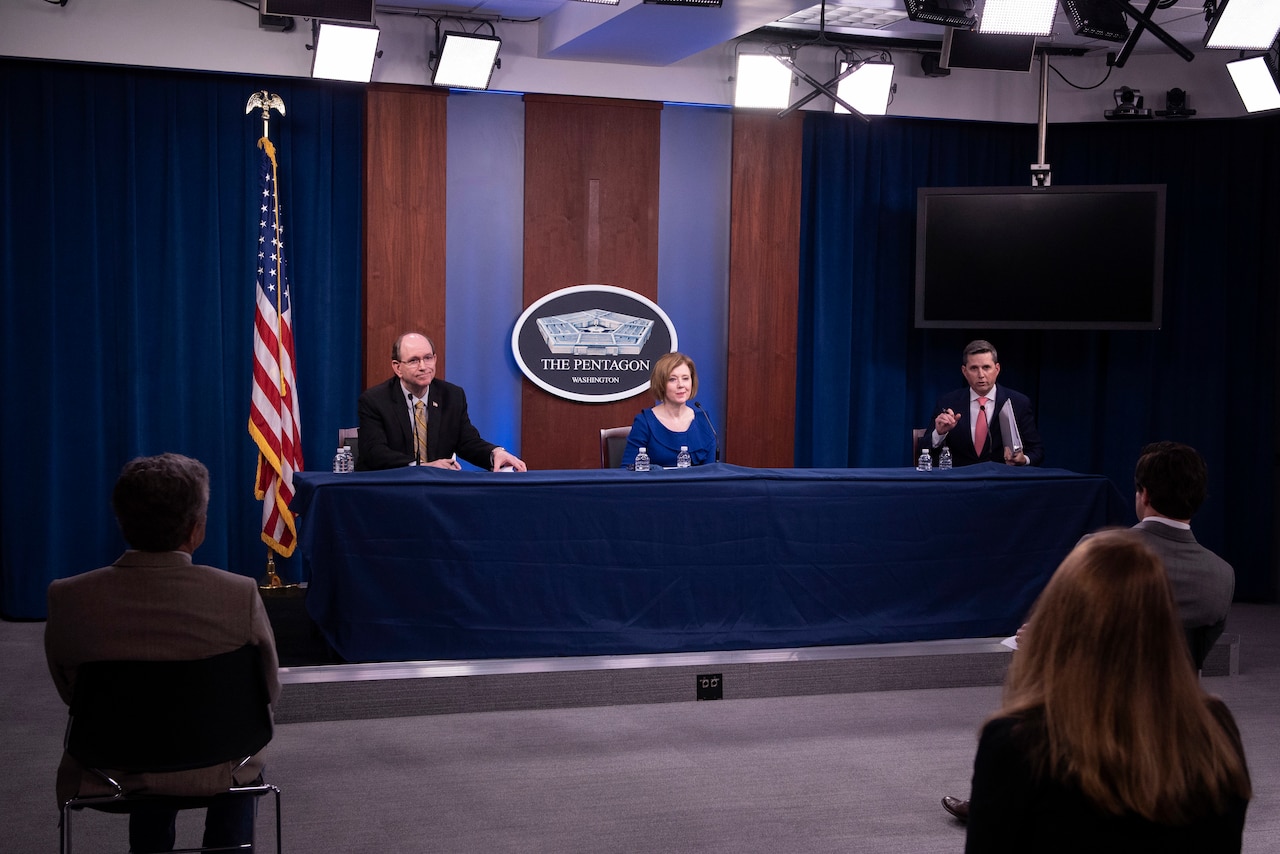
<point x="1255" y="80"/>
<point x="867" y="89"/>
<point x="602" y="2"/>
<point x="712" y="3"/>
<point x="466" y="61"/>
<point x="1018" y="17"/>
<point x="761" y="82"/>
<point x="1097" y="19"/>
<point x="344" y="53"/>
<point x="1244" y="25"/>
<point x="948" y="13"/>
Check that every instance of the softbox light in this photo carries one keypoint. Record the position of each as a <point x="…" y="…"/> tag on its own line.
<point x="1244" y="25"/>
<point x="1097" y="19"/>
<point x="466" y="61"/>
<point x="344" y="53"/>
<point x="947" y="13"/>
<point x="867" y="90"/>
<point x="761" y="82"/>
<point x="1255" y="80"/>
<point x="1018" y="17"/>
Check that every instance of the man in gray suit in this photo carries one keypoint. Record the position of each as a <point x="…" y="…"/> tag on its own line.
<point x="153" y="604"/>
<point x="1170" y="483"/>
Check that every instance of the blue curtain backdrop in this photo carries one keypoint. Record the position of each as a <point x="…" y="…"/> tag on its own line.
<point x="127" y="237"/>
<point x="867" y="376"/>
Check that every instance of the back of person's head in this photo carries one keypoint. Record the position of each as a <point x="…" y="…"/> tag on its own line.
<point x="1104" y="659"/>
<point x="975" y="347"/>
<point x="159" y="500"/>
<point x="662" y="369"/>
<point x="1175" y="478"/>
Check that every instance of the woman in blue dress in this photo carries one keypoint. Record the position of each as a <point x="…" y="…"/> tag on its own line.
<point x="672" y="422"/>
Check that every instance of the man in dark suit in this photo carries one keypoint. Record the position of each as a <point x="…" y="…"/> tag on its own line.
<point x="976" y="412"/>
<point x="153" y="604"/>
<point x="415" y="419"/>
<point x="1170" y="482"/>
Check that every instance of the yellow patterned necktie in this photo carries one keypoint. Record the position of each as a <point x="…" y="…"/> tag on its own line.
<point x="420" y="429"/>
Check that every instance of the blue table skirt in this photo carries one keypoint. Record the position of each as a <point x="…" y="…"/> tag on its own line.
<point x="425" y="564"/>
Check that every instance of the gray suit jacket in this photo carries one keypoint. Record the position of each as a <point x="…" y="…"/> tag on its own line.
<point x="154" y="606"/>
<point x="1203" y="583"/>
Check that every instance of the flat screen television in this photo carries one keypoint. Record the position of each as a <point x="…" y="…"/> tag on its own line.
<point x="1084" y="257"/>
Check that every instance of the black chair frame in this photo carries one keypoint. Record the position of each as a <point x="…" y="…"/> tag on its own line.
<point x="165" y="716"/>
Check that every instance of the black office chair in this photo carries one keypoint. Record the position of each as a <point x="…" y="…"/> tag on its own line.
<point x="916" y="435"/>
<point x="163" y="716"/>
<point x="1201" y="639"/>
<point x="613" y="441"/>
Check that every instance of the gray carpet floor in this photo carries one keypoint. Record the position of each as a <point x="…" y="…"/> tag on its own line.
<point x="848" y="772"/>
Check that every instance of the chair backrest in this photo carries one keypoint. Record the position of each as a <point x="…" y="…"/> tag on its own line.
<point x="1200" y="641"/>
<point x="613" y="441"/>
<point x="916" y="435"/>
<point x="350" y="437"/>
<point x="169" y="715"/>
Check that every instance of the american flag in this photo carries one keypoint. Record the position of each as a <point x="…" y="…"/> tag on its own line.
<point x="273" y="414"/>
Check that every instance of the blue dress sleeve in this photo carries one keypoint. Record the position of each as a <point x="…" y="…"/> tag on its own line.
<point x="702" y="448"/>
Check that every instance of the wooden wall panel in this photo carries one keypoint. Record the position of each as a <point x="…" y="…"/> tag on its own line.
<point x="764" y="290"/>
<point x="590" y="217"/>
<point x="404" y="221"/>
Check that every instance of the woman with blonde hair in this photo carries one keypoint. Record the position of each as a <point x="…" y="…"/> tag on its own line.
<point x="1105" y="738"/>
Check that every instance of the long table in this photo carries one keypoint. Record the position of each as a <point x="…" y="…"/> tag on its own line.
<point x="416" y="563"/>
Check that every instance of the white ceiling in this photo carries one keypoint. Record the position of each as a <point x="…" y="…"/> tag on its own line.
<point x="644" y="34"/>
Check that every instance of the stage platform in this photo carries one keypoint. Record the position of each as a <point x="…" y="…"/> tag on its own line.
<point x="402" y="689"/>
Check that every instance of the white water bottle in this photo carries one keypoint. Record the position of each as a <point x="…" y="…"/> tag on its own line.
<point x="341" y="461"/>
<point x="683" y="460"/>
<point x="944" y="461"/>
<point x="925" y="463"/>
<point x="642" y="459"/>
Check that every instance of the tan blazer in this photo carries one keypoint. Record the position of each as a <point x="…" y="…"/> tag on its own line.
<point x="154" y="606"/>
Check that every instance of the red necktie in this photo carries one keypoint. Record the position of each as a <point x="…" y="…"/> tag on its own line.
<point x="980" y="427"/>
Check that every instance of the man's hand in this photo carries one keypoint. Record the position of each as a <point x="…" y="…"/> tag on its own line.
<point x="945" y="421"/>
<point x="1015" y="459"/>
<point x="502" y="458"/>
<point x="450" y="463"/>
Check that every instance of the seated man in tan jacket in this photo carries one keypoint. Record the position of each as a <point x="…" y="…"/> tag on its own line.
<point x="153" y="603"/>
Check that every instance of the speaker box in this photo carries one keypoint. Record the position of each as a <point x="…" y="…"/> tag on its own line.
<point x="351" y="11"/>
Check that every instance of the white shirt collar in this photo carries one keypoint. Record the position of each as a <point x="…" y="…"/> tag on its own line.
<point x="410" y="397"/>
<point x="1172" y="523"/>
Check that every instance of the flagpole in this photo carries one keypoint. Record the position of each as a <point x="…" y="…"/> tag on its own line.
<point x="266" y="102"/>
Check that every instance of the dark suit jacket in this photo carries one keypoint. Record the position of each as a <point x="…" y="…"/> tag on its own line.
<point x="960" y="439"/>
<point x="386" y="430"/>
<point x="1015" y="808"/>
<point x="154" y="606"/>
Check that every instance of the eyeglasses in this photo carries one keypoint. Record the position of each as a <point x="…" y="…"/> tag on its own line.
<point x="418" y="361"/>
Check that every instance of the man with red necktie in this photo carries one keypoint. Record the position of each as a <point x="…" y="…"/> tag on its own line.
<point x="968" y="420"/>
